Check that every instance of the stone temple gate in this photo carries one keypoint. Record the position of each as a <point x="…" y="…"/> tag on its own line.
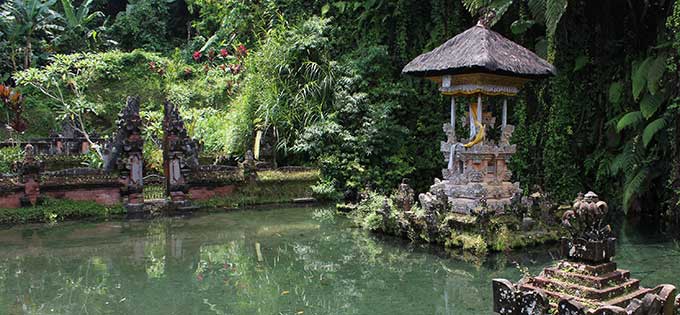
<point x="126" y="155"/>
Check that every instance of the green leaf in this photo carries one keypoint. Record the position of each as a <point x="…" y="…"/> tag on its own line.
<point x="341" y="5"/>
<point x="537" y="8"/>
<point x="615" y="92"/>
<point x="657" y="68"/>
<point x="652" y="129"/>
<point x="369" y="4"/>
<point x="639" y="76"/>
<point x="650" y="104"/>
<point x="580" y="62"/>
<point x="553" y="14"/>
<point x="326" y="7"/>
<point x="541" y="47"/>
<point x="629" y="120"/>
<point x="521" y="26"/>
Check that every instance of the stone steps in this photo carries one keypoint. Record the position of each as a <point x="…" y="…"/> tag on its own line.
<point x="598" y="282"/>
<point x="584" y="291"/>
<point x="594" y="270"/>
<point x="624" y="300"/>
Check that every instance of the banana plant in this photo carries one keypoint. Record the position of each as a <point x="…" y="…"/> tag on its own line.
<point x="77" y="22"/>
<point x="24" y="20"/>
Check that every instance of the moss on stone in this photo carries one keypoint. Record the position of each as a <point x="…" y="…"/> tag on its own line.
<point x="273" y="188"/>
<point x="454" y="230"/>
<point x="472" y="242"/>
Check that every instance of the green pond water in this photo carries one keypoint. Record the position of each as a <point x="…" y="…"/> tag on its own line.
<point x="311" y="264"/>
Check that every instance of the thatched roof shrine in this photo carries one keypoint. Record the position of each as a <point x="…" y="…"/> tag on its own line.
<point x="480" y="50"/>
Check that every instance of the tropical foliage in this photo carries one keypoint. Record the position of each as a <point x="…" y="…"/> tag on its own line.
<point x="319" y="82"/>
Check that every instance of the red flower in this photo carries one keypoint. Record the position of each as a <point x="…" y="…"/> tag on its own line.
<point x="242" y="50"/>
<point x="224" y="53"/>
<point x="197" y="56"/>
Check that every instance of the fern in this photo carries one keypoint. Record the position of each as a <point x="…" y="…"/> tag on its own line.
<point x="629" y="120"/>
<point x="634" y="186"/>
<point x="652" y="129"/>
<point x="626" y="160"/>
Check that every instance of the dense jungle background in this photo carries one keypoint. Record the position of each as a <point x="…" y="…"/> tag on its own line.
<point x="319" y="83"/>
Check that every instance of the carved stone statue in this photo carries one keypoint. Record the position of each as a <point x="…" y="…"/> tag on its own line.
<point x="404" y="198"/>
<point x="29" y="171"/>
<point x="249" y="167"/>
<point x="506" y="134"/>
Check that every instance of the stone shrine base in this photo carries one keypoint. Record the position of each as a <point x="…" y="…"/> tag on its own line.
<point x="593" y="286"/>
<point x="465" y="198"/>
<point x="582" y="288"/>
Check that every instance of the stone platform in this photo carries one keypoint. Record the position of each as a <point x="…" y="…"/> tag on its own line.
<point x="593" y="286"/>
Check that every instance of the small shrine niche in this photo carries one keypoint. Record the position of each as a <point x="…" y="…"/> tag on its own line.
<point x="481" y="70"/>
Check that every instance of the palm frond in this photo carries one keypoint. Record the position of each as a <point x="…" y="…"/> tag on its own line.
<point x="553" y="14"/>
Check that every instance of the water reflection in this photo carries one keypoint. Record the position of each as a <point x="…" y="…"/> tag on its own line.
<point x="209" y="265"/>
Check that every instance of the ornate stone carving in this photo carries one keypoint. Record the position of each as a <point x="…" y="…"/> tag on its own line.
<point x="126" y="151"/>
<point x="590" y="238"/>
<point x="506" y="134"/>
<point x="180" y="155"/>
<point x="508" y="299"/>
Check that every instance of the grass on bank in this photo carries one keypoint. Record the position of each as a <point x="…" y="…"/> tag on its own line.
<point x="54" y="210"/>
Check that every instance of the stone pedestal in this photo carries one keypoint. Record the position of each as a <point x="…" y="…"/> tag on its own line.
<point x="588" y="282"/>
<point x="476" y="173"/>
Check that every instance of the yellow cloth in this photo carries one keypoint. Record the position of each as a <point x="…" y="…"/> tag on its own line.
<point x="479" y="136"/>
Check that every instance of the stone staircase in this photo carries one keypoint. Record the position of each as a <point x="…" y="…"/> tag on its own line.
<point x="591" y="285"/>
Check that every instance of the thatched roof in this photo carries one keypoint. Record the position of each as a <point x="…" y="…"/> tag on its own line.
<point x="480" y="49"/>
